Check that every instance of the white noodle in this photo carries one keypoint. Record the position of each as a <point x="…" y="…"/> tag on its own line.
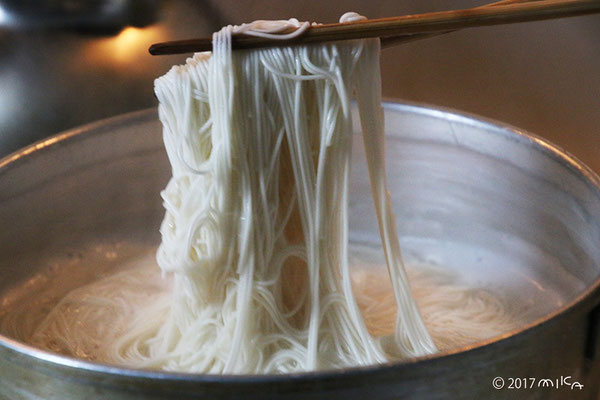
<point x="225" y="117"/>
<point x="255" y="234"/>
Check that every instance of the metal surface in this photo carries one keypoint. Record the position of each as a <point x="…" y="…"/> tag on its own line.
<point x="504" y="208"/>
<point x="541" y="76"/>
<point x="106" y="15"/>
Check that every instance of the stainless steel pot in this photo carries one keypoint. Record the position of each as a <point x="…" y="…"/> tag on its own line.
<point x="504" y="208"/>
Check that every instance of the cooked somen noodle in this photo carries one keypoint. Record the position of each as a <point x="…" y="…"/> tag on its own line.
<point x="255" y="236"/>
<point x="256" y="224"/>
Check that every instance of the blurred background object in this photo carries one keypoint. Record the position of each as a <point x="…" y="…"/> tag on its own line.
<point x="68" y="62"/>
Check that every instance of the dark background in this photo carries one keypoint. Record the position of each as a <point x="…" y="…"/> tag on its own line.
<point x="65" y="63"/>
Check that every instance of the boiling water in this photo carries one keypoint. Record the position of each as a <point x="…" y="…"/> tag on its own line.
<point x="101" y="292"/>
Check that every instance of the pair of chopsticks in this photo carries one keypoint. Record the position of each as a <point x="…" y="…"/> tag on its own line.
<point x="396" y="30"/>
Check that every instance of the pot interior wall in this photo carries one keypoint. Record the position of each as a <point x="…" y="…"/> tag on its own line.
<point x="503" y="210"/>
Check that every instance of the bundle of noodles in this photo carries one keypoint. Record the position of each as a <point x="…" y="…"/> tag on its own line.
<point x="255" y="236"/>
<point x="255" y="232"/>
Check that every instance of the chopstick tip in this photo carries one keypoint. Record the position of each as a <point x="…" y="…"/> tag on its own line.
<point x="153" y="49"/>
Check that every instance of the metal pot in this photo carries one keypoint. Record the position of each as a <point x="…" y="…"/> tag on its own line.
<point x="504" y="208"/>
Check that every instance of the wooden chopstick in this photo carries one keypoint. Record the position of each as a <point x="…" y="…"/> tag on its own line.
<point x="442" y="21"/>
<point x="395" y="40"/>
